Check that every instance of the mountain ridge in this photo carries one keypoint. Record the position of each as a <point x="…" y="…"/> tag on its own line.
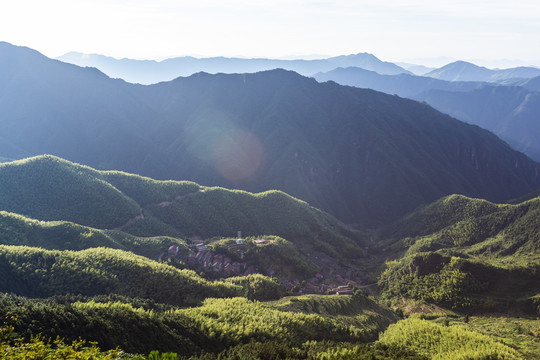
<point x="151" y="71"/>
<point x="466" y="71"/>
<point x="364" y="156"/>
<point x="404" y="85"/>
<point x="508" y="111"/>
<point x="174" y="208"/>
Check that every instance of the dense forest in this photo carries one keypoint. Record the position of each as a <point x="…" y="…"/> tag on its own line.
<point x="457" y="278"/>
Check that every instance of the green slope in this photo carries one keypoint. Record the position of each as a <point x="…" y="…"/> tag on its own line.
<point x="41" y="273"/>
<point x="239" y="329"/>
<point x="438" y="342"/>
<point x="50" y="188"/>
<point x="357" y="310"/>
<point x="463" y="252"/>
<point x="111" y="322"/>
<point x="499" y="233"/>
<point x="218" y="212"/>
<point x="141" y="326"/>
<point x="62" y="235"/>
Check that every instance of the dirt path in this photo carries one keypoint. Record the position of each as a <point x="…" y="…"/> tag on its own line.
<point x="161" y="204"/>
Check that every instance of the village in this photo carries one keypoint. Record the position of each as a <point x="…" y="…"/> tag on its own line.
<point x="331" y="278"/>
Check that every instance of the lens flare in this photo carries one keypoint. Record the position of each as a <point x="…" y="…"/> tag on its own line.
<point x="237" y="155"/>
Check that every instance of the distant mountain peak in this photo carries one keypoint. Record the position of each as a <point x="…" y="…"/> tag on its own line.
<point x="461" y="71"/>
<point x="463" y="64"/>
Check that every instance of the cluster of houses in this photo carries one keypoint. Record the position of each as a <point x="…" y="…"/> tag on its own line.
<point x="208" y="261"/>
<point x="318" y="285"/>
<point x="331" y="279"/>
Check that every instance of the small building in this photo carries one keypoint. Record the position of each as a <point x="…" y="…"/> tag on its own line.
<point x="200" y="247"/>
<point x="261" y="241"/>
<point x="173" y="250"/>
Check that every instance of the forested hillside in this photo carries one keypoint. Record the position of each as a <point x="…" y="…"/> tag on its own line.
<point x="36" y="272"/>
<point x="49" y="188"/>
<point x="467" y="253"/>
<point x="63" y="235"/>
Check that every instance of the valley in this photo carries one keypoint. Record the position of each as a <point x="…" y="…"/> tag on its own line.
<point x="267" y="214"/>
<point x="454" y="263"/>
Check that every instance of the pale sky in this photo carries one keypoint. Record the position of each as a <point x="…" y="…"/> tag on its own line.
<point x="393" y="30"/>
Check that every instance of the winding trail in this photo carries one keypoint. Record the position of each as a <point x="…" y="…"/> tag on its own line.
<point x="161" y="204"/>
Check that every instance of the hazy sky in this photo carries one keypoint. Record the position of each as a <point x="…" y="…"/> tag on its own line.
<point x="393" y="30"/>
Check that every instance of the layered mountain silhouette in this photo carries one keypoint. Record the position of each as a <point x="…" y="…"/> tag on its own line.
<point x="78" y="113"/>
<point x="364" y="156"/>
<point x="465" y="71"/>
<point x="532" y="84"/>
<point x="511" y="112"/>
<point x="150" y="72"/>
<point x="405" y="85"/>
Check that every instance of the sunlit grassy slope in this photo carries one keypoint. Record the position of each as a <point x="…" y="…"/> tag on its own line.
<point x="49" y="188"/>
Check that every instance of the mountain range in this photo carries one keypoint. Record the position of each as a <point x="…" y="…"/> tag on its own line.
<point x="150" y="71"/>
<point x="508" y="109"/>
<point x="465" y="71"/>
<point x="145" y="264"/>
<point x="364" y="156"/>
<point x="405" y="85"/>
<point x="511" y="112"/>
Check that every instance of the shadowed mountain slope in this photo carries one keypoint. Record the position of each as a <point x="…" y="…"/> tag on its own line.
<point x="405" y="85"/>
<point x="532" y="84"/>
<point x="77" y="113"/>
<point x="511" y="112"/>
<point x="353" y="152"/>
<point x="364" y="156"/>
